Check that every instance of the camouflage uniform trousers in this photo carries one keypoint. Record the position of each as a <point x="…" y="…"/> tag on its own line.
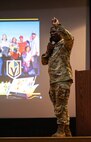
<point x="59" y="95"/>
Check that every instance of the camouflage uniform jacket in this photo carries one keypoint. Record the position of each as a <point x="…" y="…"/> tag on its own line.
<point x="59" y="67"/>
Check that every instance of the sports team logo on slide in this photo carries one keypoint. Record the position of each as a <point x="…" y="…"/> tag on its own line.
<point x="13" y="68"/>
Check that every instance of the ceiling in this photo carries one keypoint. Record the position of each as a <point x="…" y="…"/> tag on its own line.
<point x="40" y="4"/>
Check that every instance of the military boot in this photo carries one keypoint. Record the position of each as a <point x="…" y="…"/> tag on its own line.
<point x="67" y="131"/>
<point x="60" y="131"/>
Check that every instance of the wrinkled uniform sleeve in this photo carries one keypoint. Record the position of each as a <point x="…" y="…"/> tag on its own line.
<point x="65" y="34"/>
<point x="45" y="57"/>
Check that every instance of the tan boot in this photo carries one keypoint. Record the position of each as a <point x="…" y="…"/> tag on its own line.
<point x="60" y="131"/>
<point x="67" y="131"/>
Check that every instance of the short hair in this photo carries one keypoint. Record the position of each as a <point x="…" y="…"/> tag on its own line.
<point x="20" y="36"/>
<point x="33" y="33"/>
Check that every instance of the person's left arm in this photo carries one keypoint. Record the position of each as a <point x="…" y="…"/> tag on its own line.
<point x="64" y="33"/>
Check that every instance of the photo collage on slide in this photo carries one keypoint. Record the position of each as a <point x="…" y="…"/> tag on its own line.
<point x="19" y="58"/>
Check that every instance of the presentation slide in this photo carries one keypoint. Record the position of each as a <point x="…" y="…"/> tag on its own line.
<point x="19" y="58"/>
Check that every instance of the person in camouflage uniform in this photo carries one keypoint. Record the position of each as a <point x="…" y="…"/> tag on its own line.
<point x="57" y="57"/>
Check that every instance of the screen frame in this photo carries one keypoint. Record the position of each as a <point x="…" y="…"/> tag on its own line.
<point x="22" y="20"/>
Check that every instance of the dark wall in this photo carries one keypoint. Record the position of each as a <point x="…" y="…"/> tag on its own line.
<point x="31" y="127"/>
